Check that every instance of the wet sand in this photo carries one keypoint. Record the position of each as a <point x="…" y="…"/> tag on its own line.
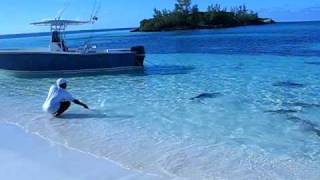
<point x="29" y="157"/>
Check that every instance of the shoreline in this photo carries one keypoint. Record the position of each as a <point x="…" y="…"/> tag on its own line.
<point x="35" y="158"/>
<point x="204" y="27"/>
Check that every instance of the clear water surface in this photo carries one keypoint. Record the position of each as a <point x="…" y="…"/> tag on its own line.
<point x="239" y="103"/>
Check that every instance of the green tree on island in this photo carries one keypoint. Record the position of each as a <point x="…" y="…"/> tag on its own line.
<point x="188" y="16"/>
<point x="183" y="6"/>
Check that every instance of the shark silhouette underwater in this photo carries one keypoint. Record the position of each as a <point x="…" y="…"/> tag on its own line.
<point x="204" y="96"/>
<point x="290" y="115"/>
<point x="288" y="84"/>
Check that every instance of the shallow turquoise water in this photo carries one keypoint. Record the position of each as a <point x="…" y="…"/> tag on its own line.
<point x="262" y="121"/>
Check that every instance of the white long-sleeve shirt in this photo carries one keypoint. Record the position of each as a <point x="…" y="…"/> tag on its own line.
<point x="56" y="95"/>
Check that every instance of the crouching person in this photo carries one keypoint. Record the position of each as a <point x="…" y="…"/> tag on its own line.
<point x="59" y="99"/>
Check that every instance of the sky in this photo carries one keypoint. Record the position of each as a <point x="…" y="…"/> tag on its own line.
<point x="16" y="15"/>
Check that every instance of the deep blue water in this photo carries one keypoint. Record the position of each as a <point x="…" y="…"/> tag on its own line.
<point x="238" y="103"/>
<point x="285" y="39"/>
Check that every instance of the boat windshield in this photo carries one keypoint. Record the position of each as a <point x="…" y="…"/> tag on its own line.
<point x="55" y="37"/>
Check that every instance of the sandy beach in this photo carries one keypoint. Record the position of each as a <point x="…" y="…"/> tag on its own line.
<point x="26" y="156"/>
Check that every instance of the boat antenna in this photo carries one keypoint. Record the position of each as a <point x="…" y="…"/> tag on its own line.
<point x="61" y="11"/>
<point x="93" y="19"/>
<point x="93" y="9"/>
<point x="94" y="12"/>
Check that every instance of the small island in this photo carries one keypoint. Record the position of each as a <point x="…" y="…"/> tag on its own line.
<point x="186" y="16"/>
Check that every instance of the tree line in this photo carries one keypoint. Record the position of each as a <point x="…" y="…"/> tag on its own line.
<point x="188" y="16"/>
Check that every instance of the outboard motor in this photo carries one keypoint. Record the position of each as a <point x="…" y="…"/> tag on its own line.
<point x="140" y="54"/>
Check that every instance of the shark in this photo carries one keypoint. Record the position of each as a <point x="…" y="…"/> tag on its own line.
<point x="313" y="63"/>
<point x="206" y="96"/>
<point x="307" y="125"/>
<point x="304" y="105"/>
<point x="288" y="84"/>
<point x="282" y="111"/>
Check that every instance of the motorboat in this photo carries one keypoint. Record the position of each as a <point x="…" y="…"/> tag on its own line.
<point x="58" y="58"/>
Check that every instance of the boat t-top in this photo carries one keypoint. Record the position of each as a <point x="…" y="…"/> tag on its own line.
<point x="58" y="58"/>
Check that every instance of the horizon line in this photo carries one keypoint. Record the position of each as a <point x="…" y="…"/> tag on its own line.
<point x="12" y="36"/>
<point x="8" y="36"/>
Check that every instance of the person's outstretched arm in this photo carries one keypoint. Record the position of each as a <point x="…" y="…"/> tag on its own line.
<point x="76" y="101"/>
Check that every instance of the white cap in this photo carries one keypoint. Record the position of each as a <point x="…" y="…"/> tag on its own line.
<point x="61" y="81"/>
